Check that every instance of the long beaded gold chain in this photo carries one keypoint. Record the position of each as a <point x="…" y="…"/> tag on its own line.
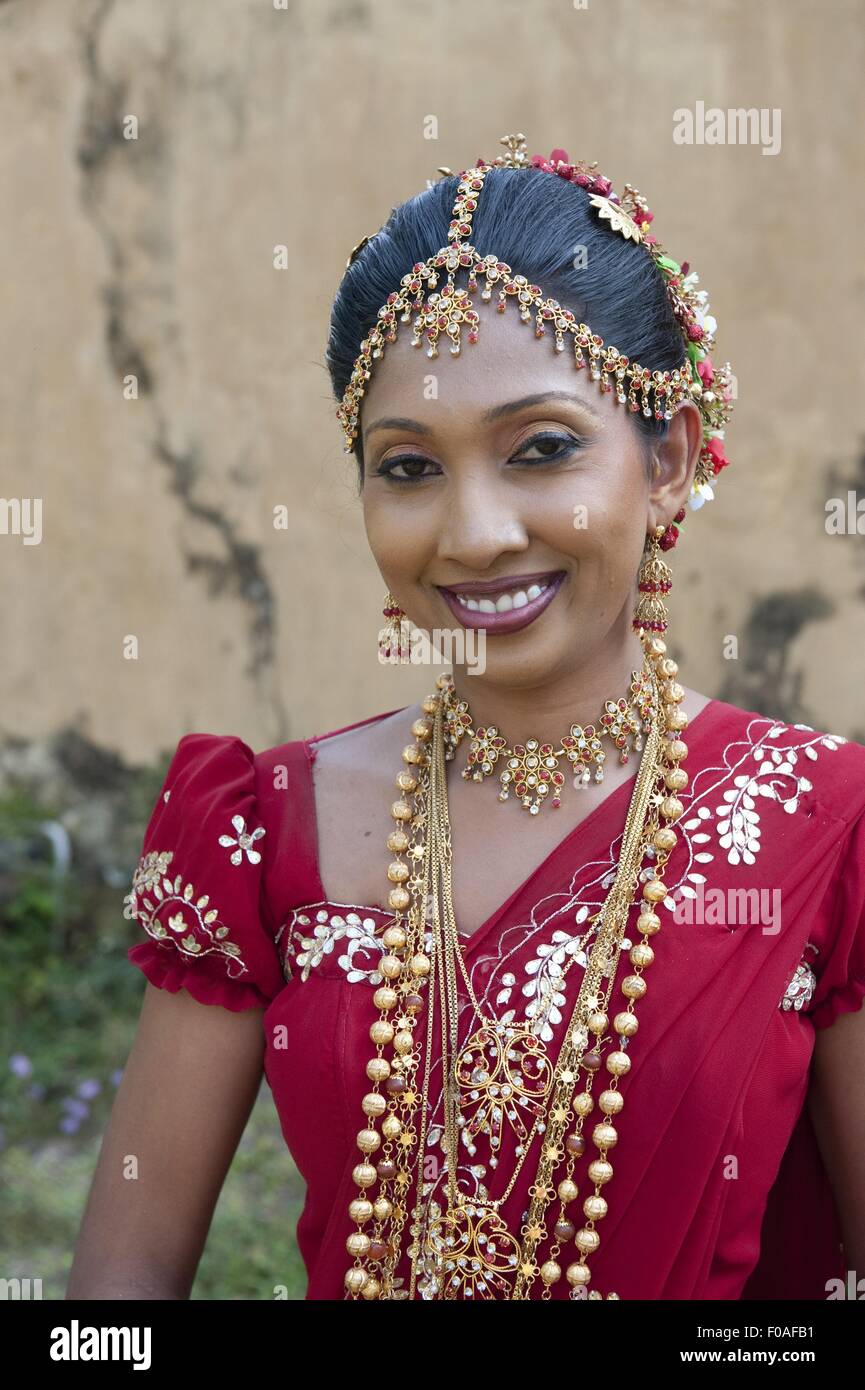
<point x="419" y="960"/>
<point x="518" y="1041"/>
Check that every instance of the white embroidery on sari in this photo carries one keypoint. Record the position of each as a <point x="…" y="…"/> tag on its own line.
<point x="800" y="990"/>
<point x="331" y="929"/>
<point x="735" y="829"/>
<point x="244" y="842"/>
<point x="540" y="985"/>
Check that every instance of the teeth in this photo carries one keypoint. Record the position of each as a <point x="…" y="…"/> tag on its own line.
<point x="505" y="602"/>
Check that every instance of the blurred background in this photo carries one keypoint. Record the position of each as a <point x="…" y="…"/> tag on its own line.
<point x="163" y="396"/>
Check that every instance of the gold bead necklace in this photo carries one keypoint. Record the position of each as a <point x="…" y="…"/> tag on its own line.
<point x="424" y="957"/>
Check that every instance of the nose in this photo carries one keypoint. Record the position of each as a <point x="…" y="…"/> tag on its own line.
<point x="479" y="520"/>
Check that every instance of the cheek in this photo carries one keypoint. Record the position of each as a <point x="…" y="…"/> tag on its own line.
<point x="398" y="536"/>
<point x="601" y="518"/>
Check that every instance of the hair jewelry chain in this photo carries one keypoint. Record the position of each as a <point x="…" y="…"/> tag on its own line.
<point x="447" y="313"/>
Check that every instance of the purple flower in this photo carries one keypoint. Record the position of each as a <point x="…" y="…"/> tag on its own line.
<point x="20" y="1065"/>
<point x="88" y="1089"/>
<point x="115" y="1076"/>
<point x="75" y="1109"/>
<point x="69" y="1125"/>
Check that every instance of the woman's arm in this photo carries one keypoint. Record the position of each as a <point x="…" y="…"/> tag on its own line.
<point x="183" y="1102"/>
<point x="836" y="1099"/>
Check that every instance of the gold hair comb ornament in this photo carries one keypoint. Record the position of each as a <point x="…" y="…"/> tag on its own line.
<point x="448" y="313"/>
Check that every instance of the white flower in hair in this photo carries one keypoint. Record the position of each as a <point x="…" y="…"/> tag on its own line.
<point x="706" y="321"/>
<point x="700" y="494"/>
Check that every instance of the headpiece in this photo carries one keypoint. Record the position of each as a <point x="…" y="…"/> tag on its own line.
<point x="451" y="311"/>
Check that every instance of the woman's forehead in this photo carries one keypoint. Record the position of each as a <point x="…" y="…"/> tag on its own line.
<point x="506" y="364"/>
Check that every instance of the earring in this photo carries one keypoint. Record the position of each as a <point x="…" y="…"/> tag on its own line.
<point x="655" y="580"/>
<point x="391" y="644"/>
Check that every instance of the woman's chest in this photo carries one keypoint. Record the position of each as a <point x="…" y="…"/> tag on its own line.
<point x="718" y="1015"/>
<point x="494" y="848"/>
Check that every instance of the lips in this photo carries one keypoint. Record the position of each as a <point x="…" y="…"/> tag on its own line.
<point x="523" y="610"/>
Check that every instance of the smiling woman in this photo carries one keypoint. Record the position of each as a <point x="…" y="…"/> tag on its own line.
<point x="513" y="1053"/>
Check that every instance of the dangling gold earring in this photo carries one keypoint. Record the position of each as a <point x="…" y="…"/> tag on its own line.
<point x="391" y="646"/>
<point x="655" y="581"/>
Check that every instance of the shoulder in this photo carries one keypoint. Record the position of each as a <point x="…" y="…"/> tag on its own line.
<point x="208" y="803"/>
<point x="210" y="770"/>
<point x="206" y="774"/>
<point x="197" y="887"/>
<point x="357" y="747"/>
<point x="217" y="781"/>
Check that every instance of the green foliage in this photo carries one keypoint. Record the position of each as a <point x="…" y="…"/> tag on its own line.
<point x="251" y="1246"/>
<point x="69" y="1003"/>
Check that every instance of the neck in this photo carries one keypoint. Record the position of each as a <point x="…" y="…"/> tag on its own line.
<point x="545" y="709"/>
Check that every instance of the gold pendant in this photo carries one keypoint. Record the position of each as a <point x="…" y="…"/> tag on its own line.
<point x="467" y="1253"/>
<point x="503" y="1073"/>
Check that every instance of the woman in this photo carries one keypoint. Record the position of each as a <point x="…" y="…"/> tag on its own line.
<point x="632" y="1013"/>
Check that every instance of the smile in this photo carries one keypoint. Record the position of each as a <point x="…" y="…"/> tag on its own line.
<point x="503" y="606"/>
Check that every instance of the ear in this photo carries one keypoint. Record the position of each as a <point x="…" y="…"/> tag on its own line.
<point x="674" y="461"/>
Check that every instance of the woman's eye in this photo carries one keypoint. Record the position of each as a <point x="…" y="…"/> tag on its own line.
<point x="551" y="446"/>
<point x="413" y="464"/>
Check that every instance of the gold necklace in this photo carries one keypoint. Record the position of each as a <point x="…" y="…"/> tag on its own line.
<point x="519" y="1076"/>
<point x="533" y="769"/>
<point x="460" y="1234"/>
<point x="416" y="960"/>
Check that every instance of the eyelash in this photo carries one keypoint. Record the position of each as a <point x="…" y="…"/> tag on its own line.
<point x="569" y="441"/>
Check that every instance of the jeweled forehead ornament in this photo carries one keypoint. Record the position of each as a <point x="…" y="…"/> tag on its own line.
<point x="450" y="312"/>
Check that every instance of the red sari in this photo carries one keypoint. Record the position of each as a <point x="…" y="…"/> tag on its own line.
<point x="719" y="1191"/>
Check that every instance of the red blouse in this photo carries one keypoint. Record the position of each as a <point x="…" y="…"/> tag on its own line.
<point x="719" y="1191"/>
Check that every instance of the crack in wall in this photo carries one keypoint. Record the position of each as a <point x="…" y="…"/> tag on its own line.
<point x="840" y="481"/>
<point x="766" y="680"/>
<point x="241" y="572"/>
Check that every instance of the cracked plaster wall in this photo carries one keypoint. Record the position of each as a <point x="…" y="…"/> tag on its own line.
<point x="153" y="258"/>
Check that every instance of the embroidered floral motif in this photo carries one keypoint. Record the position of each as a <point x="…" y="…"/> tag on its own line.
<point x="244" y="842"/>
<point x="800" y="990"/>
<point x="736" y="830"/>
<point x="777" y="778"/>
<point x="169" y="911"/>
<point x="331" y="928"/>
<point x="545" y="988"/>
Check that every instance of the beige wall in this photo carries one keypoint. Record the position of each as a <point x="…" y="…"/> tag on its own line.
<point x="260" y="126"/>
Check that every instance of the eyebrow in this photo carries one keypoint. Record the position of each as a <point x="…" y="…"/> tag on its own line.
<point x="496" y="412"/>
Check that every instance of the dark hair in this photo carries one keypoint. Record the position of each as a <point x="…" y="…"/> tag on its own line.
<point x="535" y="221"/>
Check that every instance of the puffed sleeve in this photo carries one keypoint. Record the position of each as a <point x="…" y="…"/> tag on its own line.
<point x="841" y="974"/>
<point x="196" y="890"/>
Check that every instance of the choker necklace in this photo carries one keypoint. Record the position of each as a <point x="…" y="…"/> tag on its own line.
<point x="532" y="769"/>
